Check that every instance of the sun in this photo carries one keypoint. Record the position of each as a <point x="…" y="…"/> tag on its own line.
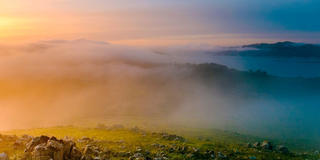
<point x="6" y="21"/>
<point x="6" y="26"/>
<point x="11" y="27"/>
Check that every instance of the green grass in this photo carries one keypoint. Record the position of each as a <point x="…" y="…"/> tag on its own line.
<point x="126" y="140"/>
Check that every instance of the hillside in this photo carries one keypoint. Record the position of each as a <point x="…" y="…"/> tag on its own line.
<point x="285" y="49"/>
<point x="119" y="142"/>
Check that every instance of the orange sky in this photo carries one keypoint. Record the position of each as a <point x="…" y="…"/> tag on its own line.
<point x="114" y="29"/>
<point x="137" y="22"/>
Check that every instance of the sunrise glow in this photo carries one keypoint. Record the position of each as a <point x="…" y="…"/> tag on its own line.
<point x="159" y="79"/>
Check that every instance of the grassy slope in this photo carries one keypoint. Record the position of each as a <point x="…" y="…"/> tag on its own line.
<point x="126" y="140"/>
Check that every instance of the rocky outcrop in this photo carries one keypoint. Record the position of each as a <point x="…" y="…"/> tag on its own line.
<point x="48" y="148"/>
<point x="283" y="149"/>
<point x="172" y="137"/>
<point x="268" y="146"/>
<point x="4" y="156"/>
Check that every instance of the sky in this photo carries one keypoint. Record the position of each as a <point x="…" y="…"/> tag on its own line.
<point x="53" y="71"/>
<point x="161" y="22"/>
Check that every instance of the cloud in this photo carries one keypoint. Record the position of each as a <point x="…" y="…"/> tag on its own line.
<point x="60" y="57"/>
<point x="53" y="82"/>
<point x="60" y="82"/>
<point x="63" y="82"/>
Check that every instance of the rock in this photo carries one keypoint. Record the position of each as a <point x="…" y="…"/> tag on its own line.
<point x="138" y="149"/>
<point x="161" y="154"/>
<point x="91" y="150"/>
<point x="101" y="126"/>
<point x="18" y="144"/>
<point x="266" y="145"/>
<point x="256" y="144"/>
<point x="75" y="154"/>
<point x="34" y="142"/>
<point x="11" y="138"/>
<point x="44" y="139"/>
<point x="67" y="138"/>
<point x="116" y="127"/>
<point x="137" y="156"/>
<point x="41" y="152"/>
<point x="249" y="145"/>
<point x="4" y="156"/>
<point x="57" y="149"/>
<point x="283" y="149"/>
<point x="122" y="154"/>
<point x="195" y="150"/>
<point x="121" y="141"/>
<point x="68" y="146"/>
<point x="85" y="140"/>
<point x="172" y="137"/>
<point x="222" y="156"/>
<point x="210" y="154"/>
<point x="156" y="145"/>
<point x="252" y="158"/>
<point x="45" y="148"/>
<point x="190" y="156"/>
<point x="136" y="129"/>
<point x="160" y="158"/>
<point x="171" y="149"/>
<point x="183" y="149"/>
<point x="26" y="138"/>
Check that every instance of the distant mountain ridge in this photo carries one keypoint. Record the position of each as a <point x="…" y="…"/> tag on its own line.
<point x="280" y="49"/>
<point x="277" y="45"/>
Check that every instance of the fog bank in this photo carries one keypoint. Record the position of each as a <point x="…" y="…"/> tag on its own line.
<point x="60" y="82"/>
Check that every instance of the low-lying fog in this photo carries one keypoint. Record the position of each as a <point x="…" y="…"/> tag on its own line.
<point x="285" y="67"/>
<point x="277" y="66"/>
<point x="54" y="82"/>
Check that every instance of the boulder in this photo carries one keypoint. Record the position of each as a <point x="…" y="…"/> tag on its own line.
<point x="11" y="138"/>
<point x="136" y="129"/>
<point x="256" y="144"/>
<point x="101" y="126"/>
<point x="172" y="137"/>
<point x="266" y="145"/>
<point x="26" y="138"/>
<point x="209" y="154"/>
<point x="91" y="150"/>
<point x="45" y="148"/>
<point x="252" y="158"/>
<point x="137" y="156"/>
<point x="249" y="145"/>
<point x="68" y="147"/>
<point x="18" y="143"/>
<point x="41" y="152"/>
<point x="283" y="149"/>
<point x="4" y="156"/>
<point x="34" y="142"/>
<point x="75" y="154"/>
<point x="221" y="156"/>
<point x="116" y="127"/>
<point x="85" y="140"/>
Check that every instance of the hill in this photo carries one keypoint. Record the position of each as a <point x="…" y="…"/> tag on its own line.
<point x="119" y="142"/>
<point x="284" y="49"/>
